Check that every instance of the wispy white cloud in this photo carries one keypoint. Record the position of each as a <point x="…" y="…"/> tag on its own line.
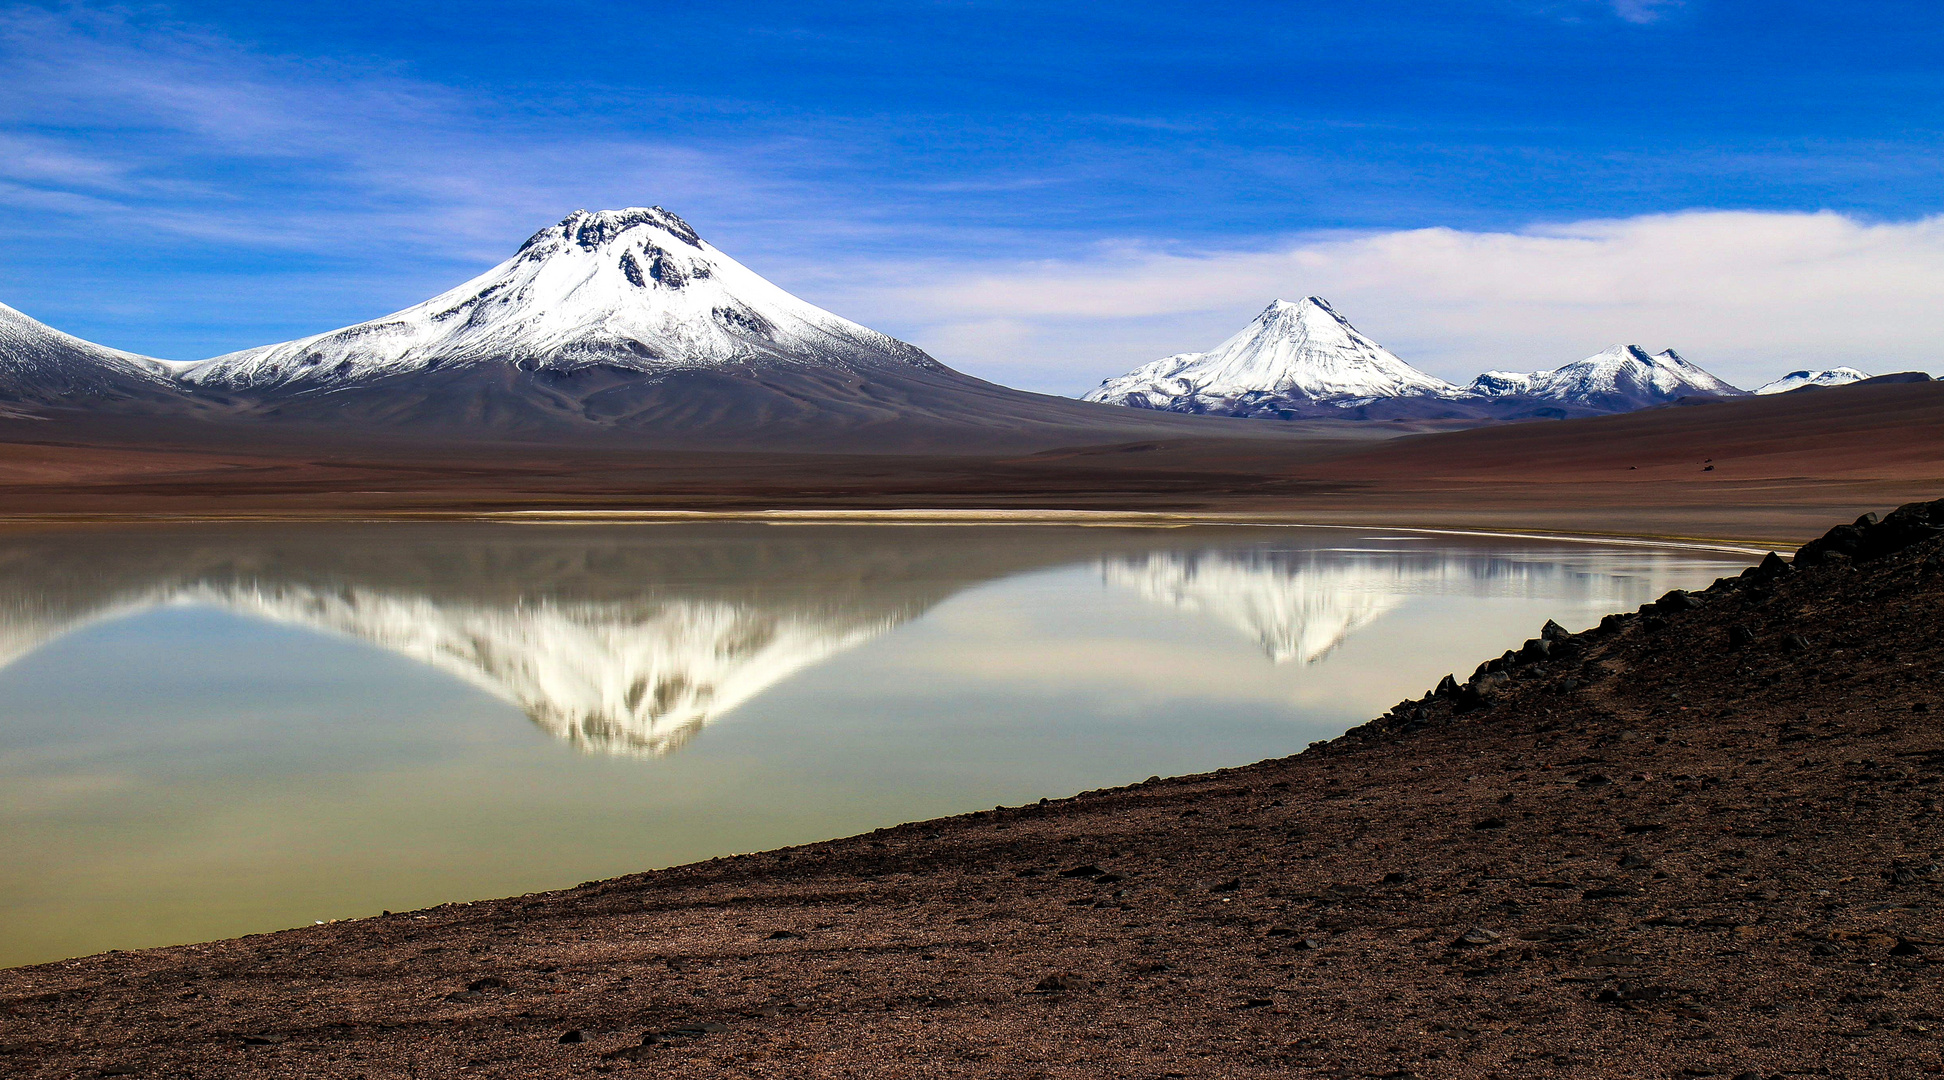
<point x="1645" y="11"/>
<point x="184" y="132"/>
<point x="1749" y="295"/>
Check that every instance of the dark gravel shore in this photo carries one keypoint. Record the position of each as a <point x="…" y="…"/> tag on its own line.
<point x="1702" y="840"/>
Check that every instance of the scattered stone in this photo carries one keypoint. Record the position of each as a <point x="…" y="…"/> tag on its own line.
<point x="1083" y="872"/>
<point x="1678" y="600"/>
<point x="1489" y="823"/>
<point x="1595" y="780"/>
<point x="1476" y="936"/>
<point x="574" y="1036"/>
<point x="1231" y="885"/>
<point x="1613" y="959"/>
<point x="1628" y="993"/>
<point x="1059" y="984"/>
<point x="784" y="935"/>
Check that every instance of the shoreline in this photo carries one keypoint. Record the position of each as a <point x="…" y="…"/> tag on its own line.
<point x="946" y="517"/>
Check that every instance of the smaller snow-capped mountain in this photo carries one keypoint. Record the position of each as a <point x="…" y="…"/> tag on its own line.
<point x="1294" y="356"/>
<point x="41" y="366"/>
<point x="1796" y="380"/>
<point x="1621" y="379"/>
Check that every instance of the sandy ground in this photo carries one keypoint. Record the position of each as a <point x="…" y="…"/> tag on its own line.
<point x="1702" y="840"/>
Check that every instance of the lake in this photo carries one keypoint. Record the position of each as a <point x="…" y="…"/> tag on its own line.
<point x="206" y="731"/>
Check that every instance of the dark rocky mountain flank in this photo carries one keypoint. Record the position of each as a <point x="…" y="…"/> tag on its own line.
<point x="1701" y="839"/>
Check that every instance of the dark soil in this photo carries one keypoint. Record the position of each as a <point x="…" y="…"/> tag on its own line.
<point x="1702" y="840"/>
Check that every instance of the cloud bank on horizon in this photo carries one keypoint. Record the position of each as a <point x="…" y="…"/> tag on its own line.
<point x="1749" y="295"/>
<point x="1043" y="194"/>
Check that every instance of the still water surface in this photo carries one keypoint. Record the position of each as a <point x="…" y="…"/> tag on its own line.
<point x="209" y="732"/>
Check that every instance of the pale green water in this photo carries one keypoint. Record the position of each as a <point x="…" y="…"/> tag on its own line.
<point x="209" y="732"/>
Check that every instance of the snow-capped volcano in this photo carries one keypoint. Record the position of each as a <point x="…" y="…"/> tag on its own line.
<point x="39" y="365"/>
<point x="1292" y="355"/>
<point x="632" y="289"/>
<point x="1621" y="379"/>
<point x="1796" y="380"/>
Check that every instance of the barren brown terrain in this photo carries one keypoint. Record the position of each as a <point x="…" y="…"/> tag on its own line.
<point x="1699" y="840"/>
<point x="1773" y="469"/>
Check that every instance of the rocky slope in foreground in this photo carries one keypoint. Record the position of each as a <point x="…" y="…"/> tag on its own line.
<point x="1701" y="840"/>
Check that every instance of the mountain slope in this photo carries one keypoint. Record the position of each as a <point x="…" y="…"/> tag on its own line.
<point x="40" y="366"/>
<point x="1294" y="356"/>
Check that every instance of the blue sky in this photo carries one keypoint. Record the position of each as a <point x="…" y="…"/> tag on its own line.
<point x="1043" y="193"/>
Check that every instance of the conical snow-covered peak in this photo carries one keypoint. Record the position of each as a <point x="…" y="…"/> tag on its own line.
<point x="635" y="289"/>
<point x="1796" y="380"/>
<point x="1300" y="350"/>
<point x="1625" y="377"/>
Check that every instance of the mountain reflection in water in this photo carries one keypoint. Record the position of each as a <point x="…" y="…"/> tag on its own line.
<point x="1301" y="603"/>
<point x="628" y="640"/>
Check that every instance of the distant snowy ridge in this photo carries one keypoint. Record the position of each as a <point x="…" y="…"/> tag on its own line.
<point x="1796" y="380"/>
<point x="1620" y="379"/>
<point x="634" y="289"/>
<point x="1305" y="359"/>
<point x="1301" y="352"/>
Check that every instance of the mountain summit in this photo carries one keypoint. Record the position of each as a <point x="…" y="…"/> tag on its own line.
<point x="1293" y="355"/>
<point x="629" y="290"/>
